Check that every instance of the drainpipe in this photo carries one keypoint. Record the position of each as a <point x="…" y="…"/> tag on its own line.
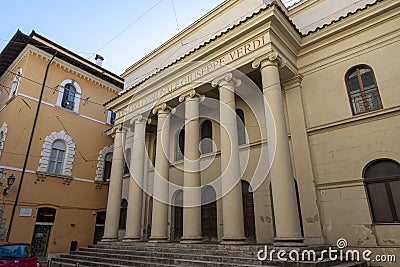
<point x="29" y="148"/>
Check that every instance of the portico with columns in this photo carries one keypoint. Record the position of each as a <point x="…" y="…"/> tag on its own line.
<point x="150" y="110"/>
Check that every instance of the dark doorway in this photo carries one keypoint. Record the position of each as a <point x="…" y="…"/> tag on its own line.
<point x="209" y="214"/>
<point x="178" y="216"/>
<point x="99" y="228"/>
<point x="149" y="217"/>
<point x="41" y="234"/>
<point x="248" y="212"/>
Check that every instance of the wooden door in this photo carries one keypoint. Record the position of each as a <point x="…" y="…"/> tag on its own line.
<point x="209" y="221"/>
<point x="248" y="213"/>
<point x="178" y="223"/>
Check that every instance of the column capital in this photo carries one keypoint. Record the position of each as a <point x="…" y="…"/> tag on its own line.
<point x="270" y="59"/>
<point x="226" y="79"/>
<point x="162" y="108"/>
<point x="137" y="119"/>
<point x="190" y="95"/>
<point x="116" y="128"/>
<point x="293" y="82"/>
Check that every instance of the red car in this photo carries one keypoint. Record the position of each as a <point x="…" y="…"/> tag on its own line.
<point x="18" y="255"/>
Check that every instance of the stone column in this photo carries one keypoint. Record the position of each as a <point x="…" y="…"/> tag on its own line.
<point x="159" y="224"/>
<point x="191" y="165"/>
<point x="137" y="165"/>
<point x="286" y="213"/>
<point x="232" y="202"/>
<point x="115" y="188"/>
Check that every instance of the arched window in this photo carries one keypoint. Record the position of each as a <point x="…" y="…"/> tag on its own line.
<point x="16" y="82"/>
<point x="3" y="134"/>
<point x="206" y="137"/>
<point x="104" y="161"/>
<point x="122" y="216"/>
<point x="382" y="179"/>
<point x="153" y="159"/>
<point x="180" y="145"/>
<point x="68" y="99"/>
<point x="69" y="95"/>
<point x="241" y="127"/>
<point x="127" y="160"/>
<point x="57" y="156"/>
<point x="363" y="90"/>
<point x="107" y="167"/>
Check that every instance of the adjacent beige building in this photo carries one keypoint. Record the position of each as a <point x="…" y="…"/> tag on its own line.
<point x="62" y="198"/>
<point x="328" y="73"/>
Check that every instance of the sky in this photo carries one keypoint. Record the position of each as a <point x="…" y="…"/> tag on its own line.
<point x="122" y="31"/>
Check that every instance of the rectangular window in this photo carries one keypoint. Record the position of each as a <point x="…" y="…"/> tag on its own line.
<point x="111" y="117"/>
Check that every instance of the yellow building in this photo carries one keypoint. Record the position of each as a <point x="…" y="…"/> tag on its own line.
<point x="61" y="198"/>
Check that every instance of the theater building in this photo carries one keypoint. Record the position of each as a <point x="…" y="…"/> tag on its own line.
<point x="324" y="166"/>
<point x="62" y="201"/>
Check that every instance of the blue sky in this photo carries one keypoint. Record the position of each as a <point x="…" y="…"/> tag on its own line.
<point x="85" y="26"/>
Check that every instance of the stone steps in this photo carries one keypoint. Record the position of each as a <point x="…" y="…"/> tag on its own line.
<point x="174" y="254"/>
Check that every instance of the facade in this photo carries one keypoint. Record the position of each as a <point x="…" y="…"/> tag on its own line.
<point x="323" y="167"/>
<point x="62" y="201"/>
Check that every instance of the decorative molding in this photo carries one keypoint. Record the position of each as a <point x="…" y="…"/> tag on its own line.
<point x="293" y="82"/>
<point x="3" y="134"/>
<point x="15" y="64"/>
<point x="73" y="69"/>
<point x="100" y="165"/>
<point x="69" y="153"/>
<point x="52" y="105"/>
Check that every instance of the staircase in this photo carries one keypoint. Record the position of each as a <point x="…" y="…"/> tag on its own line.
<point x="119" y="254"/>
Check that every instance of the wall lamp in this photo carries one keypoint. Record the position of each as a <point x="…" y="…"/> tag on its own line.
<point x="10" y="181"/>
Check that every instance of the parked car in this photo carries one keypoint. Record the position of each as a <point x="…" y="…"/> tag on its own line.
<point x="18" y="255"/>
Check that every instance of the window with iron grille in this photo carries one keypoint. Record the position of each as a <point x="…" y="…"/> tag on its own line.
<point x="363" y="90"/>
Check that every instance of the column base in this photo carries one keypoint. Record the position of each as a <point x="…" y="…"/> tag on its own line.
<point x="109" y="239"/>
<point x="233" y="241"/>
<point x="131" y="239"/>
<point x="192" y="240"/>
<point x="290" y="242"/>
<point x="158" y="240"/>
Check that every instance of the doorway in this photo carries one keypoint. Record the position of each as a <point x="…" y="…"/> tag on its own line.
<point x="248" y="212"/>
<point x="209" y="214"/>
<point x="41" y="234"/>
<point x="178" y="216"/>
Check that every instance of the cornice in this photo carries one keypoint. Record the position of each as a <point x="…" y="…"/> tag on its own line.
<point x="257" y="18"/>
<point x="15" y="64"/>
<point x="176" y="39"/>
<point x="361" y="23"/>
<point x="71" y="68"/>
